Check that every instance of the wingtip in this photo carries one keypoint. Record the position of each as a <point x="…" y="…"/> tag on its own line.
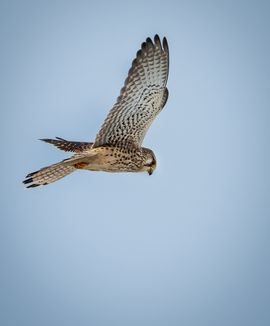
<point x="157" y="40"/>
<point x="31" y="174"/>
<point x="33" y="185"/>
<point x="165" y="44"/>
<point x="139" y="53"/>
<point x="149" y="40"/>
<point x="29" y="180"/>
<point x="44" y="139"/>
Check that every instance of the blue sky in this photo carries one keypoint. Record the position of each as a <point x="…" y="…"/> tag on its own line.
<point x="188" y="245"/>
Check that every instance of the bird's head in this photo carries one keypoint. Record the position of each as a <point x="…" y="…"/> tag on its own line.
<point x="150" y="162"/>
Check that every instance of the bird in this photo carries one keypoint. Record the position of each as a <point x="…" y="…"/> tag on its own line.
<point x="118" y="144"/>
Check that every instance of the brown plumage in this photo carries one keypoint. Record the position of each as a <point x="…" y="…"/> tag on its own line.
<point x="117" y="147"/>
<point x="68" y="146"/>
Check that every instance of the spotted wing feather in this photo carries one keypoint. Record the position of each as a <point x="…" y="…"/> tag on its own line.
<point x="67" y="145"/>
<point x="141" y="99"/>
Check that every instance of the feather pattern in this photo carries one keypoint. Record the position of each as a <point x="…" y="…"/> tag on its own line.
<point x="67" y="145"/>
<point x="141" y="99"/>
<point x="48" y="175"/>
<point x="56" y="171"/>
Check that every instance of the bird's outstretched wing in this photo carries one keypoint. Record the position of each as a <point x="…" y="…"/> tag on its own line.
<point x="141" y="99"/>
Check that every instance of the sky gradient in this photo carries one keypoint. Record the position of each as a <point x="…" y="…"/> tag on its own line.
<point x="188" y="245"/>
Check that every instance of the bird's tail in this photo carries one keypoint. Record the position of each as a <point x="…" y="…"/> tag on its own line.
<point x="48" y="174"/>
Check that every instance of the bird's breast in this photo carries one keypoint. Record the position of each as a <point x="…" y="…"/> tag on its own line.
<point x="113" y="159"/>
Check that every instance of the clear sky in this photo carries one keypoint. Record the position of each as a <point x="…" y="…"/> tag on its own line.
<point x="187" y="246"/>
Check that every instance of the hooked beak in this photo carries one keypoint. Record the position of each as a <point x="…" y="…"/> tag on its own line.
<point x="151" y="169"/>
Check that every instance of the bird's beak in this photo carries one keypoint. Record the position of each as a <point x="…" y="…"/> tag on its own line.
<point x="151" y="169"/>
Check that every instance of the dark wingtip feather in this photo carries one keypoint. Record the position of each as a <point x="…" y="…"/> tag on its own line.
<point x="33" y="185"/>
<point x="28" y="180"/>
<point x="31" y="174"/>
<point x="139" y="53"/>
<point x="47" y="140"/>
<point x="157" y="40"/>
<point x="149" y="40"/>
<point x="165" y="44"/>
<point x="149" y="43"/>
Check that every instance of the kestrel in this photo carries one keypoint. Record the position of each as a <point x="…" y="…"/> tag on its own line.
<point x="118" y="144"/>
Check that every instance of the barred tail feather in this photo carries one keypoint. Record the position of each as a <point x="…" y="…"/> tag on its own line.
<point x="48" y="174"/>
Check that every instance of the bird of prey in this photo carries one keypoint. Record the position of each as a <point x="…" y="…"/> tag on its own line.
<point x="118" y="144"/>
